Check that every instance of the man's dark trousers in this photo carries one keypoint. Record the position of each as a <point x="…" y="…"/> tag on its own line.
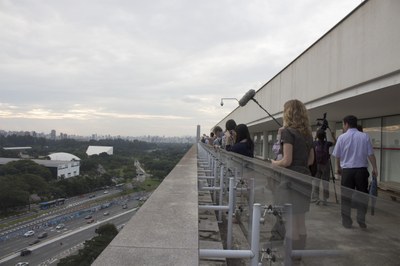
<point x="354" y="178"/>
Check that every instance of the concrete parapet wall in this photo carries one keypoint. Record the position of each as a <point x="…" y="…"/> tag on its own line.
<point x="164" y="231"/>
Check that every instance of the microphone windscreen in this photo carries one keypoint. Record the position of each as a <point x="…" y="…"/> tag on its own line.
<point x="247" y="97"/>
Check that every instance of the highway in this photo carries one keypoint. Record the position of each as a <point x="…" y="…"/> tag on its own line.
<point x="72" y="214"/>
<point x="74" y="202"/>
<point x="62" y="243"/>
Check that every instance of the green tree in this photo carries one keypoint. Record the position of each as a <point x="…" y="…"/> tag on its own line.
<point x="107" y="229"/>
<point x="13" y="193"/>
<point x="92" y="248"/>
<point x="88" y="165"/>
<point x="36" y="184"/>
<point x="25" y="167"/>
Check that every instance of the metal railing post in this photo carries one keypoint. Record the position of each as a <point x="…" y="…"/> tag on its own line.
<point x="255" y="234"/>
<point x="252" y="254"/>
<point x="288" y="236"/>
<point x="230" y="213"/>
<point x="250" y="204"/>
<point x="221" y="185"/>
<point x="215" y="182"/>
<point x="235" y="182"/>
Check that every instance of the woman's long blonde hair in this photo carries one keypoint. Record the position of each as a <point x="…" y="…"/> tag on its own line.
<point x="295" y="115"/>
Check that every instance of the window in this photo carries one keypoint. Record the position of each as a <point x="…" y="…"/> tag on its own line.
<point x="258" y="144"/>
<point x="373" y="128"/>
<point x="271" y="140"/>
<point x="390" y="171"/>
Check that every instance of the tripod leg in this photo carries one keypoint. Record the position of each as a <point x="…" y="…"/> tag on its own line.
<point x="333" y="179"/>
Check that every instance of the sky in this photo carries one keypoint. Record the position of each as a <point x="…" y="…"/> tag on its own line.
<point x="134" y="68"/>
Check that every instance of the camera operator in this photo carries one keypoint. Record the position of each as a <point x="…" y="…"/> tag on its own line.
<point x="322" y="157"/>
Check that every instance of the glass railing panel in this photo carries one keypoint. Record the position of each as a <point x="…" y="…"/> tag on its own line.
<point x="317" y="227"/>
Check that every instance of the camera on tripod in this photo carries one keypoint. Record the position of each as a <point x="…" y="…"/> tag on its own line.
<point x="323" y="123"/>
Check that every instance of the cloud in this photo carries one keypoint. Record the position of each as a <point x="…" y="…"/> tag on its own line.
<point x="152" y="67"/>
<point x="10" y="112"/>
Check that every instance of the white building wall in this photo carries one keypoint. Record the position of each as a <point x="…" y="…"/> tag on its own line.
<point x="96" y="150"/>
<point x="68" y="170"/>
<point x="361" y="48"/>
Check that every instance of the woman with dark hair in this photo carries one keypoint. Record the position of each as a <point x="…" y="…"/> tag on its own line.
<point x="244" y="145"/>
<point x="229" y="137"/>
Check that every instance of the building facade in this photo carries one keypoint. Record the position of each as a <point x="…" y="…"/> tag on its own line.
<point x="97" y="150"/>
<point x="59" y="169"/>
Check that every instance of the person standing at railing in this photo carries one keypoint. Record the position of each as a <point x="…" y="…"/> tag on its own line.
<point x="210" y="139"/>
<point x="218" y="133"/>
<point x="353" y="149"/>
<point x="244" y="144"/>
<point x="298" y="155"/>
<point x="229" y="137"/>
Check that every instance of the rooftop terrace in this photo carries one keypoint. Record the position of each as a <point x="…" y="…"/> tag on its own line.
<point x="168" y="229"/>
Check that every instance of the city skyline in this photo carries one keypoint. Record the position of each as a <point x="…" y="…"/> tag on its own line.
<point x="53" y="134"/>
<point x="136" y="68"/>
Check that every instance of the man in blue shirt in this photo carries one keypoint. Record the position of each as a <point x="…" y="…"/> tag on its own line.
<point x="352" y="151"/>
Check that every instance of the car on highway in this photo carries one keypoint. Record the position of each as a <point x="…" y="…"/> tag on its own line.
<point x="42" y="235"/>
<point x="105" y="205"/>
<point x="124" y="206"/>
<point x="106" y="192"/>
<point x="90" y="221"/>
<point x="92" y="196"/>
<point x="60" y="226"/>
<point x="106" y="213"/>
<point x="29" y="233"/>
<point x="88" y="217"/>
<point x="22" y="263"/>
<point x="34" y="242"/>
<point x="25" y="252"/>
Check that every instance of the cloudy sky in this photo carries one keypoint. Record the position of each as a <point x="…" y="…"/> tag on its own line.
<point x="134" y="68"/>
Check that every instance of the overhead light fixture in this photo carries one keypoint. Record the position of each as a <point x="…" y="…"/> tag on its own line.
<point x="222" y="100"/>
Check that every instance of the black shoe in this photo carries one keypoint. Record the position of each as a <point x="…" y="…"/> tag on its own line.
<point x="314" y="200"/>
<point x="347" y="225"/>
<point x="362" y="225"/>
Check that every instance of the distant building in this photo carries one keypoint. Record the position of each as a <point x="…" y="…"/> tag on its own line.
<point x="68" y="166"/>
<point x="63" y="135"/>
<point x="53" y="134"/>
<point x="59" y="169"/>
<point x="63" y="156"/>
<point x="20" y="150"/>
<point x="198" y="134"/>
<point x="96" y="150"/>
<point x="16" y="148"/>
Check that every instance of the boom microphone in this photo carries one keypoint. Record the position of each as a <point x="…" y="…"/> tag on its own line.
<point x="247" y="97"/>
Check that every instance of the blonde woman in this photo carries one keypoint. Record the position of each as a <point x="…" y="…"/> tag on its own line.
<point x="298" y="155"/>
